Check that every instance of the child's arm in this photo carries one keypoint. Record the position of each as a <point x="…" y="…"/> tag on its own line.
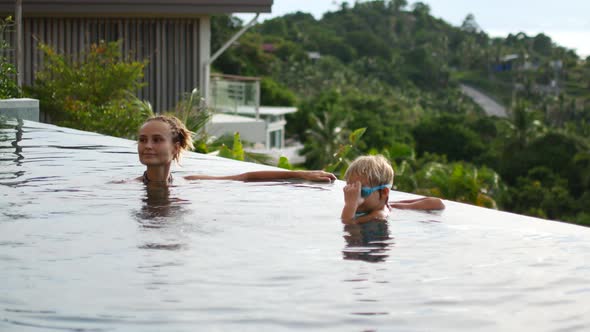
<point x="352" y="199"/>
<point x="317" y="176"/>
<point x="373" y="216"/>
<point x="424" y="203"/>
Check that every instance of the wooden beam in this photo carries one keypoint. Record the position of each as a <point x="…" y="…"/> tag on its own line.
<point x="135" y="8"/>
<point x="18" y="17"/>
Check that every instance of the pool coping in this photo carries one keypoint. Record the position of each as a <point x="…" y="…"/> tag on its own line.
<point x="20" y="108"/>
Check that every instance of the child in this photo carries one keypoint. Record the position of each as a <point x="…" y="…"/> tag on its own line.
<point x="162" y="139"/>
<point x="366" y="194"/>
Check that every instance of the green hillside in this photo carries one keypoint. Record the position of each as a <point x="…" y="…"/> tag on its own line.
<point x="396" y="70"/>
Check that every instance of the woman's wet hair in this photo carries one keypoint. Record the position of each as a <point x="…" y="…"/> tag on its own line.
<point x="180" y="134"/>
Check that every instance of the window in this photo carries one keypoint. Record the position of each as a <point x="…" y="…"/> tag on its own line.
<point x="276" y="139"/>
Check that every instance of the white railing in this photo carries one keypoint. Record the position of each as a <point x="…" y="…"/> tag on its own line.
<point x="229" y="92"/>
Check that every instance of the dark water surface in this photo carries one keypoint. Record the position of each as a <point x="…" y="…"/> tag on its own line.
<point x="81" y="253"/>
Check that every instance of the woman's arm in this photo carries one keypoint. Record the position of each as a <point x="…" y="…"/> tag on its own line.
<point x="424" y="203"/>
<point x="317" y="176"/>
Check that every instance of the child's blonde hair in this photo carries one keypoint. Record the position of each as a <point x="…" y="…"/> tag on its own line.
<point x="376" y="169"/>
<point x="178" y="131"/>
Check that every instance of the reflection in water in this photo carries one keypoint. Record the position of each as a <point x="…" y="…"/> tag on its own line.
<point x="240" y="262"/>
<point x="157" y="206"/>
<point x="159" y="210"/>
<point x="368" y="242"/>
<point x="5" y="157"/>
<point x="19" y="137"/>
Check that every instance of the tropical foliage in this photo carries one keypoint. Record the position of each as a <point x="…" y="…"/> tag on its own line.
<point x="83" y="94"/>
<point x="195" y="114"/>
<point x="395" y="70"/>
<point x="345" y="154"/>
<point x="8" y="84"/>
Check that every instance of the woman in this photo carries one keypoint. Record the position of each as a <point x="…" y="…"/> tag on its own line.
<point x="162" y="139"/>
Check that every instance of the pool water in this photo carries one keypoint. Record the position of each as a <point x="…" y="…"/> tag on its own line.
<point x="80" y="252"/>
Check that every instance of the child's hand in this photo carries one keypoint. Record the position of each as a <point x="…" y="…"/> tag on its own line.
<point x="352" y="200"/>
<point x="318" y="176"/>
<point x="352" y="194"/>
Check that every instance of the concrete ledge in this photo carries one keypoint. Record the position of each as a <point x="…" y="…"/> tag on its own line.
<point x="21" y="108"/>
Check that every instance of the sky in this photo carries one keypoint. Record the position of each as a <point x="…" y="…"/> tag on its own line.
<point x="567" y="22"/>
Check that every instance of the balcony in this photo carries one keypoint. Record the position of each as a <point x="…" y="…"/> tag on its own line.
<point x="236" y="101"/>
<point x="229" y="93"/>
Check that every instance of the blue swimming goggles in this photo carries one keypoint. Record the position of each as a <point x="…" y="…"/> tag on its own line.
<point x="366" y="191"/>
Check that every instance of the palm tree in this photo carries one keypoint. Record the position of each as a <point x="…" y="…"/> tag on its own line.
<point x="523" y="126"/>
<point x="460" y="182"/>
<point x="193" y="112"/>
<point x="398" y="5"/>
<point x="325" y="136"/>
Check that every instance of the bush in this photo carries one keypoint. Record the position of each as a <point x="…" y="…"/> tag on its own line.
<point x="94" y="94"/>
<point x="447" y="136"/>
<point x="8" y="84"/>
<point x="542" y="193"/>
<point x="121" y="117"/>
<point x="273" y="94"/>
<point x="554" y="151"/>
<point x="460" y="181"/>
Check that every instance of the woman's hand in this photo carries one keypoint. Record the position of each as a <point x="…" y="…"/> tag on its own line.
<point x="317" y="176"/>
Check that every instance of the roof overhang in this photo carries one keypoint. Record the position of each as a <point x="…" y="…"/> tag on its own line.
<point x="221" y="118"/>
<point x="266" y="110"/>
<point x="136" y="8"/>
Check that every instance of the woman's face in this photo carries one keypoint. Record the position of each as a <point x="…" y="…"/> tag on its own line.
<point x="155" y="146"/>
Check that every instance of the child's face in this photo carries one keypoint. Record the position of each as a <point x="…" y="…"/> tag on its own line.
<point x="375" y="200"/>
<point x="155" y="146"/>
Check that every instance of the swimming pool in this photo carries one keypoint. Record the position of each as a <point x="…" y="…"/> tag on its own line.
<point x="81" y="253"/>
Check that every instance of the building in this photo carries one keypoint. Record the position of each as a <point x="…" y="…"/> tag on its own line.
<point x="174" y="35"/>
<point x="268" y="130"/>
<point x="236" y="101"/>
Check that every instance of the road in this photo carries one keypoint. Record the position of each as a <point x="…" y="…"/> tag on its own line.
<point x="490" y="106"/>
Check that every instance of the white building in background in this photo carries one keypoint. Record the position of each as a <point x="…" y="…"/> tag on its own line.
<point x="266" y="132"/>
<point x="236" y="103"/>
<point x="314" y="55"/>
<point x="250" y="129"/>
